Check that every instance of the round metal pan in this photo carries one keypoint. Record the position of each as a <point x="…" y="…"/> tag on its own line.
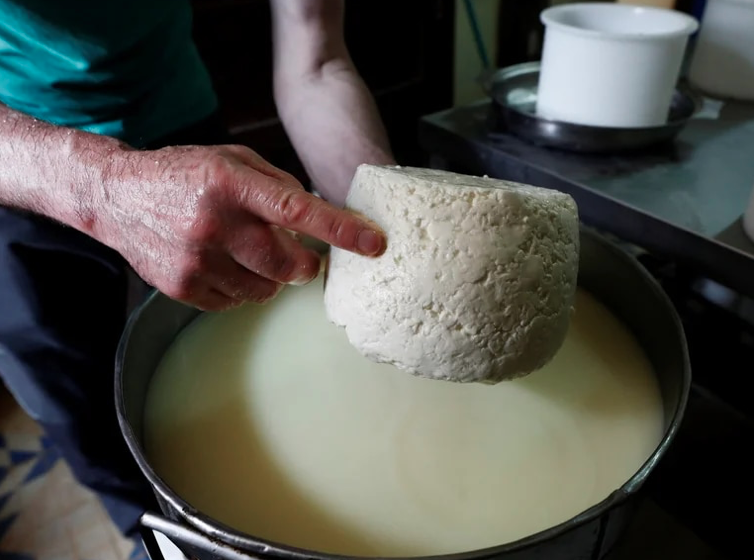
<point x="513" y="91"/>
<point x="609" y="273"/>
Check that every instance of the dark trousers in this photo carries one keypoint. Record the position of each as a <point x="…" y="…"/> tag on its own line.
<point x="62" y="310"/>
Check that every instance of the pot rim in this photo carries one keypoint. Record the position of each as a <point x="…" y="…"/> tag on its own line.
<point x="254" y="545"/>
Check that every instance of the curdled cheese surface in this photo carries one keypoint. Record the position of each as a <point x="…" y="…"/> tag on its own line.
<point x="268" y="420"/>
<point x="478" y="280"/>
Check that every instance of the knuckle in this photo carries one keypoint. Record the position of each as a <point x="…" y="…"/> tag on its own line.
<point x="238" y="150"/>
<point x="264" y="292"/>
<point x="273" y="260"/>
<point x="218" y="173"/>
<point x="294" y="207"/>
<point x="281" y="265"/>
<point x="182" y="290"/>
<point x="188" y="273"/>
<point x="203" y="223"/>
<point x="238" y="288"/>
<point x="204" y="229"/>
<point x="337" y="228"/>
<point x="218" y="163"/>
<point x="263" y="239"/>
<point x="341" y="228"/>
<point x="283" y="269"/>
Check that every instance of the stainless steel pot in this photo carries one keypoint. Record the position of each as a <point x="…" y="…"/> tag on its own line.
<point x="609" y="273"/>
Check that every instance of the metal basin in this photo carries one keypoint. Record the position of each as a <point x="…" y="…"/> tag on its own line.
<point x="607" y="272"/>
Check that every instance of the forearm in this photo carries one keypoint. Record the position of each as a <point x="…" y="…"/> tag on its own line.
<point x="334" y="125"/>
<point x="327" y="110"/>
<point x="54" y="171"/>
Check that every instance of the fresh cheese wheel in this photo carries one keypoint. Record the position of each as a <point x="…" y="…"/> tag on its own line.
<point x="477" y="282"/>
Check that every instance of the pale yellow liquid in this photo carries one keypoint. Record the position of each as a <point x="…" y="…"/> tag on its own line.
<point x="268" y="420"/>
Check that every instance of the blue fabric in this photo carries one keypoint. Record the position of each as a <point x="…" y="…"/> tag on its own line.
<point x="125" y="68"/>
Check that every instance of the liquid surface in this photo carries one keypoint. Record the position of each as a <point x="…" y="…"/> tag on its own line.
<point x="268" y="420"/>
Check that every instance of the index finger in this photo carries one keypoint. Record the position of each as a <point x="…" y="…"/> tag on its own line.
<point x="295" y="209"/>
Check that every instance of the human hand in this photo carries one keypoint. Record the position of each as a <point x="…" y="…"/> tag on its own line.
<point x="207" y="225"/>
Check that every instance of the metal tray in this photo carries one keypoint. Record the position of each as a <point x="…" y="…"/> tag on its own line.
<point x="514" y="94"/>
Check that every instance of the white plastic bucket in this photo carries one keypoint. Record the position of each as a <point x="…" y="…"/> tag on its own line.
<point x="723" y="61"/>
<point x="609" y="64"/>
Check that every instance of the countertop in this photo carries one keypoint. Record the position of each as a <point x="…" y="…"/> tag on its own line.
<point x="683" y="200"/>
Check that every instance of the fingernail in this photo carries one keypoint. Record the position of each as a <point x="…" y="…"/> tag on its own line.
<point x="307" y="274"/>
<point x="303" y="280"/>
<point x="370" y="242"/>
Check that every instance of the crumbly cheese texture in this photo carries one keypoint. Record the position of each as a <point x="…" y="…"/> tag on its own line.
<point x="478" y="280"/>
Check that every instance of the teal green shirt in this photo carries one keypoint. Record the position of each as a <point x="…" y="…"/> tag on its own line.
<point x="124" y="68"/>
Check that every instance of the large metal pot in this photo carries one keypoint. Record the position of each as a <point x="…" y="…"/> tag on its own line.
<point x="609" y="273"/>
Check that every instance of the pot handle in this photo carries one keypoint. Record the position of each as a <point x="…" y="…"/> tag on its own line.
<point x="181" y="534"/>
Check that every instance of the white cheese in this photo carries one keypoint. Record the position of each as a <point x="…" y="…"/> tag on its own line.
<point x="476" y="284"/>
